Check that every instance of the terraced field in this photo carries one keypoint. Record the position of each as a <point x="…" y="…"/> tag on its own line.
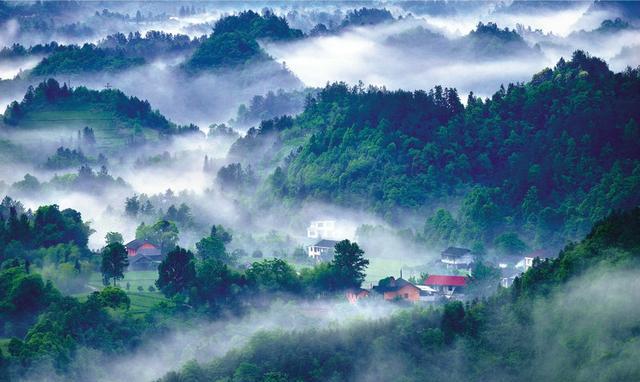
<point x="111" y="132"/>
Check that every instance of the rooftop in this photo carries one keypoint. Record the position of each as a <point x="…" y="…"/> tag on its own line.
<point x="136" y="243"/>
<point x="446" y="280"/>
<point x="326" y="243"/>
<point x="456" y="252"/>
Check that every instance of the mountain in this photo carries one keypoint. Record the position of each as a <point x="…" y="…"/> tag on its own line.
<point x="542" y="158"/>
<point x="114" y="119"/>
<point x="234" y="41"/>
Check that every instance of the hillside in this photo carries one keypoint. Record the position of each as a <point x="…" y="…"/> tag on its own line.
<point x="88" y="58"/>
<point x="538" y="158"/>
<point x="234" y="41"/>
<point x="544" y="328"/>
<point x="114" y="118"/>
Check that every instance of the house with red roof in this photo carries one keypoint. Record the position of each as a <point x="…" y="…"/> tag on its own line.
<point x="143" y="255"/>
<point x="447" y="285"/>
<point x="135" y="246"/>
<point x="397" y="289"/>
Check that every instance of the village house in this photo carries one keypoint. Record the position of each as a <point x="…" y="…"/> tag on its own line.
<point x="322" y="250"/>
<point x="143" y="255"/>
<point x="322" y="229"/>
<point x="137" y="245"/>
<point x="527" y="262"/>
<point x="457" y="258"/>
<point x="397" y="289"/>
<point x="447" y="286"/>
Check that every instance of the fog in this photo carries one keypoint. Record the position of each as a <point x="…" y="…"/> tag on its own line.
<point x="593" y="312"/>
<point x="373" y="54"/>
<point x="203" y="340"/>
<point x="416" y="51"/>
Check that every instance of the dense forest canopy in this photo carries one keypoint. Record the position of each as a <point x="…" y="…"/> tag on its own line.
<point x="526" y="157"/>
<point x="50" y="95"/>
<point x="234" y="40"/>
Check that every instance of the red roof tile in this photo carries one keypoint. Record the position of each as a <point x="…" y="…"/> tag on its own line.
<point x="446" y="280"/>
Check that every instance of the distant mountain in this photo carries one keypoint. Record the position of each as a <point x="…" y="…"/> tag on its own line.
<point x="116" y="119"/>
<point x="234" y="41"/>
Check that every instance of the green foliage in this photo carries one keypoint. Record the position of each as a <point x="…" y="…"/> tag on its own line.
<point x="69" y="324"/>
<point x="114" y="297"/>
<point x="66" y="158"/>
<point x="233" y="42"/>
<point x="273" y="276"/>
<point x="52" y="226"/>
<point x="510" y="244"/>
<point x="225" y="50"/>
<point x="49" y="94"/>
<point x="163" y="233"/>
<point x="88" y="58"/>
<point x="388" y="150"/>
<point x="113" y="237"/>
<point x="48" y="227"/>
<point x="114" y="262"/>
<point x="349" y="264"/>
<point x="216" y="286"/>
<point x="22" y="297"/>
<point x="176" y="272"/>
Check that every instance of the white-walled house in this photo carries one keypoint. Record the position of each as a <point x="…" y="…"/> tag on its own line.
<point x="457" y="258"/>
<point x="322" y="249"/>
<point x="321" y="229"/>
<point x="447" y="286"/>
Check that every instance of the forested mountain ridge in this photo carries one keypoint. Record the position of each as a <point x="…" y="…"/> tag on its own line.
<point x="540" y="158"/>
<point x="543" y="328"/>
<point x="50" y="95"/>
<point x="234" y="41"/>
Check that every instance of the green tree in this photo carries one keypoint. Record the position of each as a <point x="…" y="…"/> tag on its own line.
<point x="163" y="233"/>
<point x="114" y="262"/>
<point x="217" y="285"/>
<point x="273" y="275"/>
<point x="177" y="272"/>
<point x="510" y="244"/>
<point x="114" y="237"/>
<point x="114" y="297"/>
<point x="349" y="265"/>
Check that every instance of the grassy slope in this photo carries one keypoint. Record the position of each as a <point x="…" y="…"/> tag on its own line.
<point x="111" y="132"/>
<point x="141" y="302"/>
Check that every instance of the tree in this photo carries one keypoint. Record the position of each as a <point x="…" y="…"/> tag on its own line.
<point x="114" y="262"/>
<point x="132" y="206"/>
<point x="510" y="244"/>
<point x="177" y="272"/>
<point x="273" y="275"/>
<point x="163" y="233"/>
<point x="114" y="237"/>
<point x="216" y="285"/>
<point x="213" y="246"/>
<point x="453" y="320"/>
<point x="348" y="265"/>
<point x="114" y="297"/>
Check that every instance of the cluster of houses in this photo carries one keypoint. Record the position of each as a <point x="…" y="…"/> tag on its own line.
<point x="442" y="287"/>
<point x="434" y="288"/>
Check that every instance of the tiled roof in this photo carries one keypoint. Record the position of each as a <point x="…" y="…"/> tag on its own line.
<point x="446" y="280"/>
